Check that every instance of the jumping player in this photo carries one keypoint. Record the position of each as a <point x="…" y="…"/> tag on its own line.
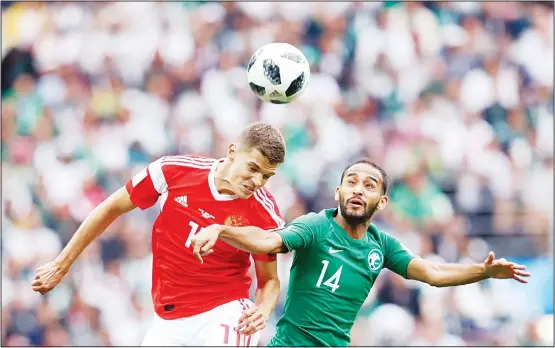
<point x="197" y="304"/>
<point x="338" y="256"/>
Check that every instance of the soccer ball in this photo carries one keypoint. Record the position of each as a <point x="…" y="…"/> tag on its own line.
<point x="278" y="73"/>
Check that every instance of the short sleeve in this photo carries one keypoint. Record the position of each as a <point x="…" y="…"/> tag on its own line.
<point x="147" y="185"/>
<point x="397" y="256"/>
<point x="301" y="232"/>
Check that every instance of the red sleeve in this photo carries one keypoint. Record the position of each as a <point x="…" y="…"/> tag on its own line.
<point x="147" y="185"/>
<point x="270" y="218"/>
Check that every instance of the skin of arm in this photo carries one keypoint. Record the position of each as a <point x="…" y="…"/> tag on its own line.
<point x="94" y="225"/>
<point x="449" y="274"/>
<point x="266" y="297"/>
<point x="268" y="286"/>
<point x="252" y="239"/>
<point x="49" y="275"/>
<point x="452" y="274"/>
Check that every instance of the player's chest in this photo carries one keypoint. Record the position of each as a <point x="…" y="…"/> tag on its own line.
<point x="192" y="209"/>
<point x="343" y="268"/>
<point x="198" y="204"/>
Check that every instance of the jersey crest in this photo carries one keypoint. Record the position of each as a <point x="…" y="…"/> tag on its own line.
<point x="375" y="260"/>
<point x="236" y="221"/>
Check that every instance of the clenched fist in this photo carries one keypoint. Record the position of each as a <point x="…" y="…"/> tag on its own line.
<point x="48" y="276"/>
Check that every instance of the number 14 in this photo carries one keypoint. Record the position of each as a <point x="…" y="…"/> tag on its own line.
<point x="333" y="282"/>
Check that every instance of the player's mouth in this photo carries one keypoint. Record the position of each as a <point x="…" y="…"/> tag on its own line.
<point x="356" y="202"/>
<point x="248" y="190"/>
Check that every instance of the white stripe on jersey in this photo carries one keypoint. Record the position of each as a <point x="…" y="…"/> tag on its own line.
<point x="157" y="176"/>
<point x="264" y="192"/>
<point x="139" y="177"/>
<point x="264" y="202"/>
<point x="187" y="164"/>
<point x="199" y="163"/>
<point x="190" y="159"/>
<point x="185" y="161"/>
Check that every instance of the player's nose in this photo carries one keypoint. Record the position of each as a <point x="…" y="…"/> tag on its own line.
<point x="257" y="181"/>
<point x="357" y="190"/>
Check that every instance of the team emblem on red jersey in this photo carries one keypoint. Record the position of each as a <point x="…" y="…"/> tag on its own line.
<point x="237" y="221"/>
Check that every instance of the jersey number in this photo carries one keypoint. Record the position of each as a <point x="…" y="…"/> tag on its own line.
<point x="239" y="337"/>
<point x="194" y="230"/>
<point x="332" y="282"/>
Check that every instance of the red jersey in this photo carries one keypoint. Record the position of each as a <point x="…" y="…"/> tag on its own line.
<point x="189" y="201"/>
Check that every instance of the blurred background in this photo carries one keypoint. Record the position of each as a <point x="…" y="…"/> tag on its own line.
<point x="454" y="99"/>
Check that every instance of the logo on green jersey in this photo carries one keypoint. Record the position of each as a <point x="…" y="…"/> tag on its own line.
<point x="375" y="260"/>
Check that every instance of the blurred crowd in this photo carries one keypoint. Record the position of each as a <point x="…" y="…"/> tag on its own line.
<point x="454" y="99"/>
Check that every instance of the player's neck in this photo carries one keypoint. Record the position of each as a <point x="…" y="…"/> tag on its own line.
<point x="221" y="179"/>
<point x="357" y="231"/>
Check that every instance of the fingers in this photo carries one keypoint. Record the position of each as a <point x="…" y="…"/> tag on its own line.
<point x="196" y="250"/>
<point x="252" y="324"/>
<point x="247" y="317"/>
<point x="39" y="286"/>
<point x="522" y="280"/>
<point x="490" y="258"/>
<point x="522" y="273"/>
<point x="246" y="314"/>
<point x="519" y="267"/>
<point x="206" y="247"/>
<point x="255" y="326"/>
<point x="207" y="253"/>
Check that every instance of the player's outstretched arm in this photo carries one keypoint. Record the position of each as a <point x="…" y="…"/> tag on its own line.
<point x="451" y="274"/>
<point x="50" y="274"/>
<point x="251" y="239"/>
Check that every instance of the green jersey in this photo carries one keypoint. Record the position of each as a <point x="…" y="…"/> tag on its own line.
<point x="330" y="278"/>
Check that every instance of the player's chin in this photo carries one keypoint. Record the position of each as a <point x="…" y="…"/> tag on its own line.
<point x="355" y="211"/>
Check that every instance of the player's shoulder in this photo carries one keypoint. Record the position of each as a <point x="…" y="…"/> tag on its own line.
<point x="264" y="202"/>
<point x="184" y="162"/>
<point x="380" y="235"/>
<point x="314" y="219"/>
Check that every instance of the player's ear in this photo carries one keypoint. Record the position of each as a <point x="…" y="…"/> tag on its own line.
<point x="383" y="202"/>
<point x="336" y="196"/>
<point x="231" y="151"/>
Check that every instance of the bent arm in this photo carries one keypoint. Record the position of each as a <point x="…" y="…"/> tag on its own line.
<point x="268" y="286"/>
<point x="94" y="225"/>
<point x="253" y="239"/>
<point x="449" y="274"/>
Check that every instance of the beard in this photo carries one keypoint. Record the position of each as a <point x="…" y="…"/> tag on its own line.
<point x="355" y="218"/>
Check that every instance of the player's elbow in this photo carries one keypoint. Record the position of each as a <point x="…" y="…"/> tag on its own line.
<point x="117" y="204"/>
<point x="271" y="281"/>
<point x="432" y="276"/>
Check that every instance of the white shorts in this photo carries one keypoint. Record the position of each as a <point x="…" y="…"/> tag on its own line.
<point x="213" y="328"/>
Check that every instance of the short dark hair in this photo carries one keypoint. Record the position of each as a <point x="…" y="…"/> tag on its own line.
<point x="265" y="138"/>
<point x="385" y="177"/>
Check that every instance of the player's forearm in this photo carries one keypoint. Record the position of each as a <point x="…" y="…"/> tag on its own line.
<point x="452" y="274"/>
<point x="251" y="238"/>
<point x="267" y="296"/>
<point x="93" y="226"/>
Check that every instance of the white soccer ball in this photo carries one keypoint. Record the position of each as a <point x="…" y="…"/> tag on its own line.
<point x="278" y="73"/>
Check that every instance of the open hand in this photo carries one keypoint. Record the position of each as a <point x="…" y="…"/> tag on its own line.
<point x="47" y="277"/>
<point x="252" y="320"/>
<point x="503" y="269"/>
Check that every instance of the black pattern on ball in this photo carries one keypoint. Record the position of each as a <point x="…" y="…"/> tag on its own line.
<point x="253" y="59"/>
<point x="259" y="90"/>
<point x="295" y="86"/>
<point x="293" y="56"/>
<point x="271" y="71"/>
<point x="277" y="102"/>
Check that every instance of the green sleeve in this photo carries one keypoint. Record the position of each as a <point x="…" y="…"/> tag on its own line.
<point x="397" y="256"/>
<point x="300" y="233"/>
